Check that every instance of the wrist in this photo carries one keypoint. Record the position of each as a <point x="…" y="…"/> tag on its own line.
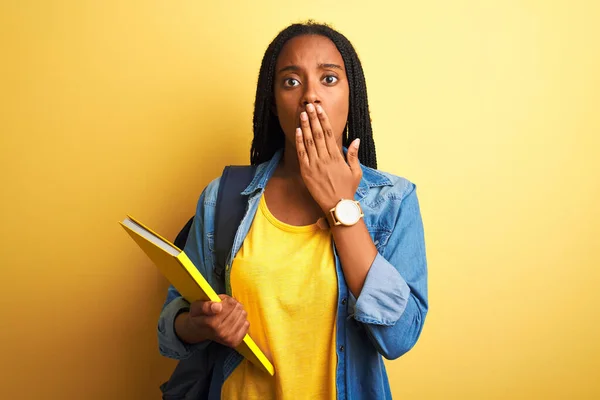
<point x="185" y="329"/>
<point x="181" y="325"/>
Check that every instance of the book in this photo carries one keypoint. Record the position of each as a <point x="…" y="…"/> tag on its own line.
<point x="179" y="270"/>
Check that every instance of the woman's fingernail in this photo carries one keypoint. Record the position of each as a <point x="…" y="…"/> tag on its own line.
<point x="303" y="116"/>
<point x="357" y="143"/>
<point x="320" y="109"/>
<point x="298" y="132"/>
<point x="310" y="107"/>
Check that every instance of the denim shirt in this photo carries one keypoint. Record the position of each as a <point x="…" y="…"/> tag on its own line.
<point x="387" y="317"/>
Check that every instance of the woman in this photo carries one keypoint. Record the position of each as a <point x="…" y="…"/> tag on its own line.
<point x="324" y="284"/>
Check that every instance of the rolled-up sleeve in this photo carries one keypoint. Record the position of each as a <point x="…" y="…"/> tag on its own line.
<point x="168" y="343"/>
<point x="393" y="303"/>
<point x="384" y="295"/>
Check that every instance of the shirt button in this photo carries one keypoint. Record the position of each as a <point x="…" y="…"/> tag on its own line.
<point x="344" y="301"/>
<point x="342" y="349"/>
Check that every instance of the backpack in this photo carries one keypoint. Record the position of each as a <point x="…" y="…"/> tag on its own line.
<point x="193" y="376"/>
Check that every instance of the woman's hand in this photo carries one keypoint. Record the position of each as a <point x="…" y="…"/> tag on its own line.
<point x="223" y="322"/>
<point x="324" y="170"/>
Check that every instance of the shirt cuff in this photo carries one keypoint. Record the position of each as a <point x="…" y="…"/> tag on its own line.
<point x="384" y="295"/>
<point x="169" y="343"/>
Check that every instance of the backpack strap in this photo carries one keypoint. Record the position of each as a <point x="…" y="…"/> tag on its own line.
<point x="230" y="209"/>
<point x="183" y="234"/>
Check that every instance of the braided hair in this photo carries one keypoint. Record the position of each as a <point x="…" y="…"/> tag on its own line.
<point x="268" y="135"/>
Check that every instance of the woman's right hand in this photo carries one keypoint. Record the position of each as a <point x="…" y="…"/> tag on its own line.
<point x="223" y="322"/>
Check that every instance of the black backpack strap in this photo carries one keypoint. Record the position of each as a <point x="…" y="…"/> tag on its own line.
<point x="231" y="206"/>
<point x="183" y="234"/>
<point x="230" y="209"/>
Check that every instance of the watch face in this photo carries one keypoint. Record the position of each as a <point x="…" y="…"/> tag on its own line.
<point x="347" y="212"/>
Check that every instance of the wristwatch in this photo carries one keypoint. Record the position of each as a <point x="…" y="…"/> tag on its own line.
<point x="346" y="213"/>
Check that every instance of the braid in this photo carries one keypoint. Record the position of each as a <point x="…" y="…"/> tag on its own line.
<point x="268" y="135"/>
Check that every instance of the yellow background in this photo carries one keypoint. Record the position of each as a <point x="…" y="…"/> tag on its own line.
<point x="491" y="107"/>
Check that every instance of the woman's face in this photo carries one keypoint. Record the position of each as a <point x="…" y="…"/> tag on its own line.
<point x="310" y="69"/>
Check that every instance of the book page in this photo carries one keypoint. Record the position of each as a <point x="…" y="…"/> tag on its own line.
<point x="151" y="237"/>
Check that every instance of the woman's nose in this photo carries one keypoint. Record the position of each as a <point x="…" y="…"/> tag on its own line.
<point x="310" y="95"/>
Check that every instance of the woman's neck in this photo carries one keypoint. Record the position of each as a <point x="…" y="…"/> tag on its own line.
<point x="289" y="166"/>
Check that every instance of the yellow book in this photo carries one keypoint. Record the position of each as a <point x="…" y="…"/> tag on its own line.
<point x="176" y="266"/>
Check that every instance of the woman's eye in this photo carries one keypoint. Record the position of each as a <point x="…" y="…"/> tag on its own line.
<point x="291" y="82"/>
<point x="330" y="79"/>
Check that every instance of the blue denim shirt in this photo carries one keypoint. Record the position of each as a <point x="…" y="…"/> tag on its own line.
<point x="387" y="317"/>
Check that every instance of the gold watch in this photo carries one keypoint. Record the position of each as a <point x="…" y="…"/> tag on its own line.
<point x="346" y="213"/>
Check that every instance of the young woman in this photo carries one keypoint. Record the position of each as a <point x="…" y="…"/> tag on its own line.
<point x="328" y="270"/>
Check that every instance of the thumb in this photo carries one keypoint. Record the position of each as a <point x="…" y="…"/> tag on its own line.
<point x="353" y="156"/>
<point x="205" y="308"/>
<point x="215" y="308"/>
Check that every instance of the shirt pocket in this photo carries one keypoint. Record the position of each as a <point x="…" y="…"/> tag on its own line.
<point x="215" y="274"/>
<point x="209" y="252"/>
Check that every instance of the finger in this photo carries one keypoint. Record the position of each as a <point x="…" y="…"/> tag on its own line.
<point x="309" y="142"/>
<point x="235" y="337"/>
<point x="240" y="320"/>
<point x="232" y="325"/>
<point x="245" y="327"/>
<point x="300" y="148"/>
<point x="329" y="138"/>
<point x="317" y="130"/>
<point x="241" y="327"/>
<point x="235" y="310"/>
<point x="352" y="157"/>
<point x="234" y="321"/>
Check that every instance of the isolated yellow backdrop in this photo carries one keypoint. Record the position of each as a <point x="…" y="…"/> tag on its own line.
<point x="491" y="107"/>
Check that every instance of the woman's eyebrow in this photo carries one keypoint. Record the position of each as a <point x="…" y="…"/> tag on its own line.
<point x="330" y="66"/>
<point x="320" y="66"/>
<point x="289" y="68"/>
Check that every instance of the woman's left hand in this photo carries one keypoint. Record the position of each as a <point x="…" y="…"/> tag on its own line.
<point x="324" y="170"/>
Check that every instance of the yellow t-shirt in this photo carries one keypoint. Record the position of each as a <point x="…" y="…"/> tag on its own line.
<point x="285" y="277"/>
